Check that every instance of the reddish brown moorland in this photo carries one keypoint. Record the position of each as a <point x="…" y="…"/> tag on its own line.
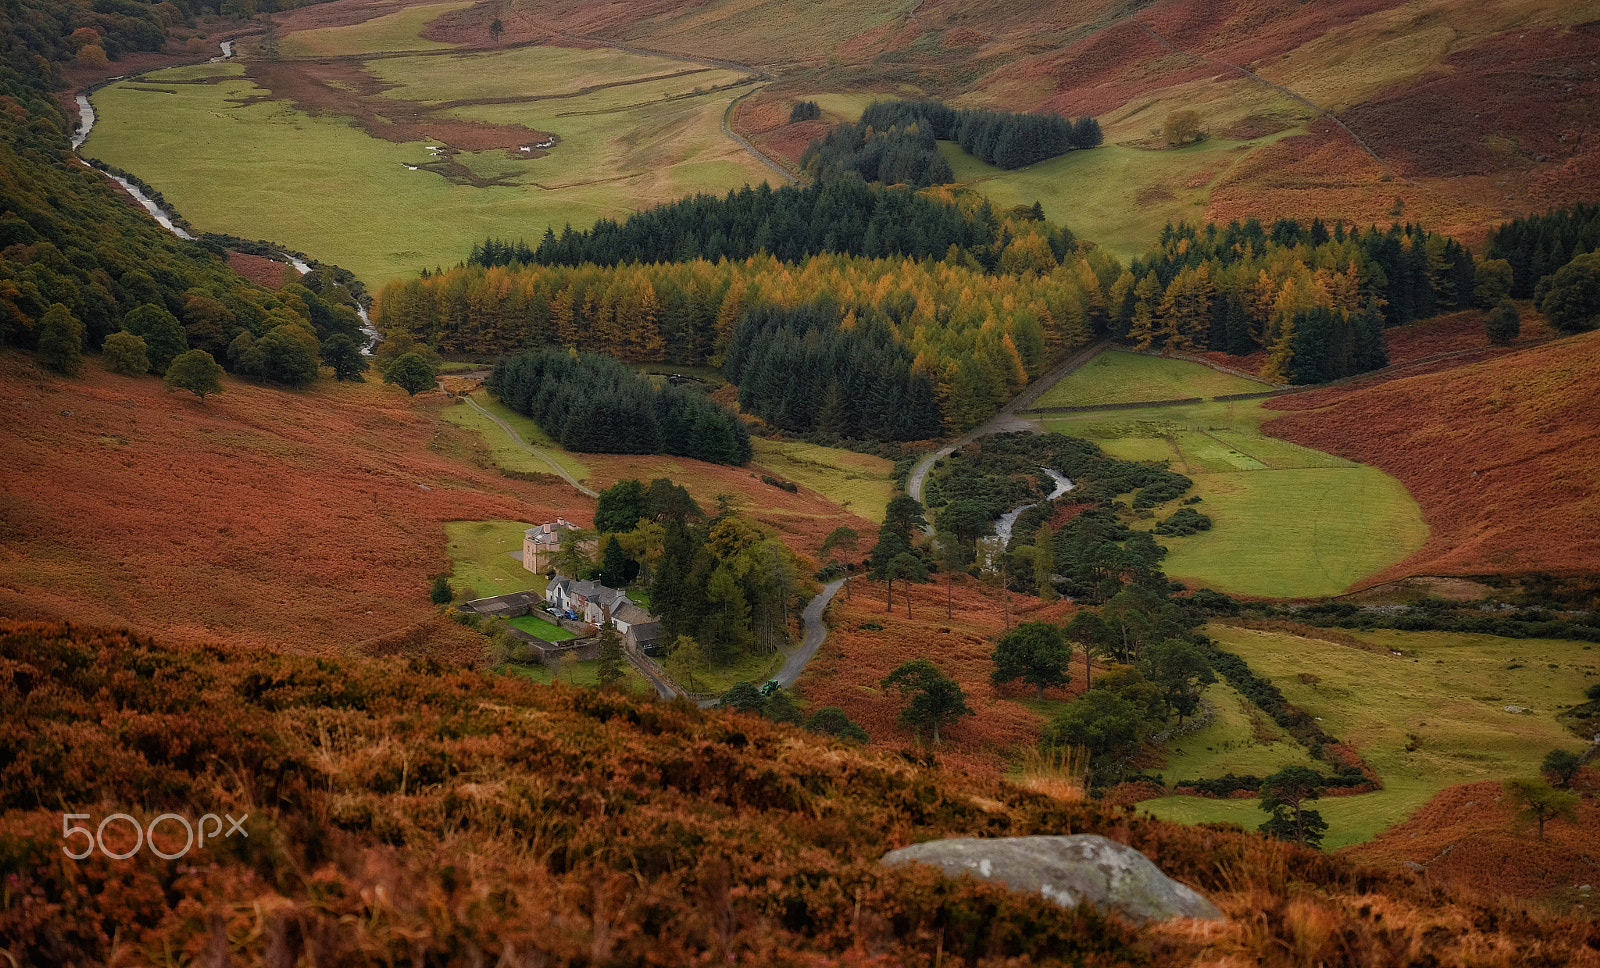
<point x="307" y="521"/>
<point x="1471" y="842"/>
<point x="1502" y="455"/>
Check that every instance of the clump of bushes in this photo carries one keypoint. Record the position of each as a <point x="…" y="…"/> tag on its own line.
<point x="1184" y="521"/>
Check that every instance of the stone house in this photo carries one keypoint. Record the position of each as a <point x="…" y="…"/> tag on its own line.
<point x="540" y="544"/>
<point x="589" y="600"/>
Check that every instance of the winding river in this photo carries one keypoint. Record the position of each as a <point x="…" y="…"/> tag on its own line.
<point x="86" y="120"/>
<point x="1002" y="527"/>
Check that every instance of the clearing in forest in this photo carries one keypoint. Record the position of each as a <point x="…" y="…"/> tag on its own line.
<point x="1452" y="708"/>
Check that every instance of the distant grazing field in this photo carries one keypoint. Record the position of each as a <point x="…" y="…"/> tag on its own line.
<point x="1445" y="697"/>
<point x="233" y="155"/>
<point x="396" y="31"/>
<point x="1115" y="195"/>
<point x="1117" y="377"/>
<point x="1289" y="521"/>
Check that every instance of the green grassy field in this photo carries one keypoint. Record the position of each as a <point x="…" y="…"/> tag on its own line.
<point x="755" y="669"/>
<point x="1241" y="740"/>
<point x="1446" y="697"/>
<point x="534" y="625"/>
<point x="860" y="483"/>
<point x="585" y="674"/>
<point x="480" y="559"/>
<point x="398" y="31"/>
<point x="262" y="169"/>
<point x="1117" y="377"/>
<point x="1288" y="521"/>
<point x="502" y="449"/>
<point x="1112" y="194"/>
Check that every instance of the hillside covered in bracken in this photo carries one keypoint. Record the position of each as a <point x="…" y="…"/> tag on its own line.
<point x="1501" y="455"/>
<point x="408" y="812"/>
<point x="1509" y="88"/>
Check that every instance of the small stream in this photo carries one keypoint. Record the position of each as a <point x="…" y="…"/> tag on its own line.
<point x="86" y="120"/>
<point x="1002" y="527"/>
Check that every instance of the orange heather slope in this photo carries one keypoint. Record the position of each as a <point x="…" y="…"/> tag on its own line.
<point x="297" y="520"/>
<point x="1471" y="842"/>
<point x="1503" y="456"/>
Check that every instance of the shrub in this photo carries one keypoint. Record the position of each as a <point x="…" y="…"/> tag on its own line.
<point x="1504" y="323"/>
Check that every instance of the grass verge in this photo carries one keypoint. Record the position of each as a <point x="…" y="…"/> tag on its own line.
<point x="502" y="449"/>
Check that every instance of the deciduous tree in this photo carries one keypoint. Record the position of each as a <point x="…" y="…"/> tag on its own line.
<point x="61" y="340"/>
<point x="1036" y="653"/>
<point x="196" y="372"/>
<point x="125" y="353"/>
<point x="343" y="353"/>
<point x="412" y="373"/>
<point x="1542" y="802"/>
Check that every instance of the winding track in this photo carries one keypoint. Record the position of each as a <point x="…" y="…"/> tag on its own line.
<point x="517" y="439"/>
<point x="1006" y="419"/>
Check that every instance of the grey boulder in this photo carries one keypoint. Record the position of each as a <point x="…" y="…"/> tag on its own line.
<point x="1079" y="869"/>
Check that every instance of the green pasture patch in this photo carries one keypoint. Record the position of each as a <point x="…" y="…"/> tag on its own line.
<point x="859" y="483"/>
<point x="1274" y="453"/>
<point x="536" y="626"/>
<point x="755" y="669"/>
<point x="1296" y="533"/>
<point x="1240" y="739"/>
<point x="323" y="186"/>
<point x="398" y="31"/>
<point x="481" y="562"/>
<point x="584" y="674"/>
<point x="1445" y="697"/>
<point x="1112" y="194"/>
<point x="504" y="450"/>
<point x="1288" y="521"/>
<point x="1201" y="452"/>
<point x="1118" y="377"/>
<point x="520" y="72"/>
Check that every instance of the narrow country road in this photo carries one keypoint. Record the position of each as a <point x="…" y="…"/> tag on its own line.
<point x="1006" y="419"/>
<point x="816" y="632"/>
<point x="517" y="439"/>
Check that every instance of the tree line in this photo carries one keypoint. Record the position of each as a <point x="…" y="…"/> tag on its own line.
<point x="845" y="216"/>
<point x="1538" y="245"/>
<point x="818" y="368"/>
<point x="977" y="336"/>
<point x="1317" y="300"/>
<point x="897" y="142"/>
<point x="1001" y="138"/>
<point x="593" y="404"/>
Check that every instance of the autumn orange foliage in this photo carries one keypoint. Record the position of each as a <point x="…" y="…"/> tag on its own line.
<point x="407" y="812"/>
<point x="1469" y="840"/>
<point x="855" y="658"/>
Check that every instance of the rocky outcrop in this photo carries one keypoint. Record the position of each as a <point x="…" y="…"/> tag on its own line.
<point x="1073" y="870"/>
